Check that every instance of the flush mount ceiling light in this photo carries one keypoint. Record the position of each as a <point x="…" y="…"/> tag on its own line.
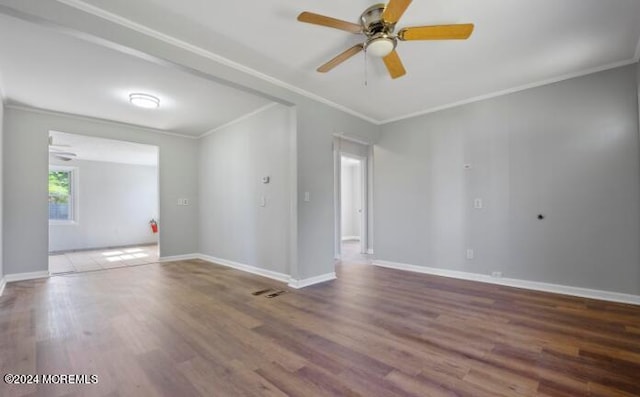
<point x="144" y="100"/>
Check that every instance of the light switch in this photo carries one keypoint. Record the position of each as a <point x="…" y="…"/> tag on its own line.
<point x="307" y="196"/>
<point x="477" y="203"/>
<point x="185" y="201"/>
<point x="263" y="201"/>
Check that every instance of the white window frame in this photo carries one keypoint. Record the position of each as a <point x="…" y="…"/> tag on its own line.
<point x="73" y="196"/>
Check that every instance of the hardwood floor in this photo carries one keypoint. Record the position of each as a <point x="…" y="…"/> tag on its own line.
<point x="190" y="328"/>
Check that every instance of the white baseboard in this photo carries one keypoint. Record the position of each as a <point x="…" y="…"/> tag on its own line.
<point x="370" y="251"/>
<point x="285" y="278"/>
<point x="246" y="268"/>
<point x="9" y="278"/>
<point x="518" y="283"/>
<point x="297" y="284"/>
<point x="179" y="257"/>
<point x="350" y="238"/>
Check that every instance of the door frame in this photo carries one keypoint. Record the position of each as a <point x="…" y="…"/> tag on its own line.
<point x="365" y="186"/>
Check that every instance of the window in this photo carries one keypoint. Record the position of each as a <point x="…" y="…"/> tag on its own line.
<point x="62" y="197"/>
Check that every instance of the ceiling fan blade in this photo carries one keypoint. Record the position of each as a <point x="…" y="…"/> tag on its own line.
<point x="340" y="58"/>
<point x="394" y="65"/>
<point x="437" y="32"/>
<point x="317" y="19"/>
<point x="394" y="10"/>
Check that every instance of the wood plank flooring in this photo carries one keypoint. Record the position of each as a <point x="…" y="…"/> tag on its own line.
<point x="194" y="329"/>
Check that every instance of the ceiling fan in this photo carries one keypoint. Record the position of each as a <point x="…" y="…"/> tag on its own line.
<point x="56" y="152"/>
<point x="378" y="23"/>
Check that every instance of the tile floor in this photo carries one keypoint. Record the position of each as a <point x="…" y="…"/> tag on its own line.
<point x="83" y="261"/>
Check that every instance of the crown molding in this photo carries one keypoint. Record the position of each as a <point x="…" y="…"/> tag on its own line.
<point x="147" y="129"/>
<point x="117" y="19"/>
<point x="508" y="91"/>
<point x="127" y="23"/>
<point x="239" y="119"/>
<point x="95" y="120"/>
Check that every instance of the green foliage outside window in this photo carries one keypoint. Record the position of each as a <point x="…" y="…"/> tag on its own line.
<point x="59" y="187"/>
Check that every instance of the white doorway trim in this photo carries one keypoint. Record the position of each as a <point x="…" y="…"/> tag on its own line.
<point x="362" y="164"/>
<point x="365" y="216"/>
<point x="92" y="153"/>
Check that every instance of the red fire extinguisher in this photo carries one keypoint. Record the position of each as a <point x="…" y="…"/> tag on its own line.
<point x="154" y="225"/>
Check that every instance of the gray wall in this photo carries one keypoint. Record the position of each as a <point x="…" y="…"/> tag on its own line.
<point x="233" y="224"/>
<point x="26" y="167"/>
<point x="638" y="85"/>
<point x="568" y="151"/>
<point x="1" y="186"/>
<point x="115" y="204"/>
<point x="316" y="125"/>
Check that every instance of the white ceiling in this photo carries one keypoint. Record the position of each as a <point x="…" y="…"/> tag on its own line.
<point x="515" y="44"/>
<point x="108" y="150"/>
<point x="46" y="69"/>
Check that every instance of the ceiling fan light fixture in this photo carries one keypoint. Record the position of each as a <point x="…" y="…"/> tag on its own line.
<point x="377" y="24"/>
<point x="144" y="100"/>
<point x="380" y="47"/>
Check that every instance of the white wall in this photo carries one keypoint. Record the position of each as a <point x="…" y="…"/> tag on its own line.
<point x="233" y="224"/>
<point x="115" y="204"/>
<point x="568" y="151"/>
<point x="25" y="224"/>
<point x="351" y="190"/>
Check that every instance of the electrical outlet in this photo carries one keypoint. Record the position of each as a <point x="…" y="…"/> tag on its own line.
<point x="470" y="253"/>
<point x="185" y="201"/>
<point x="496" y="274"/>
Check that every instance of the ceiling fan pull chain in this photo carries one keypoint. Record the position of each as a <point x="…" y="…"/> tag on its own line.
<point x="365" y="67"/>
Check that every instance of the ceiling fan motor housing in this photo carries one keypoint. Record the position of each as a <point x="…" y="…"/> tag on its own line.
<point x="372" y="22"/>
<point x="380" y="39"/>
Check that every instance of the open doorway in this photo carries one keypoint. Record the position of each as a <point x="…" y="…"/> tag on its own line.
<point x="352" y="203"/>
<point x="103" y="203"/>
<point x="352" y="198"/>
